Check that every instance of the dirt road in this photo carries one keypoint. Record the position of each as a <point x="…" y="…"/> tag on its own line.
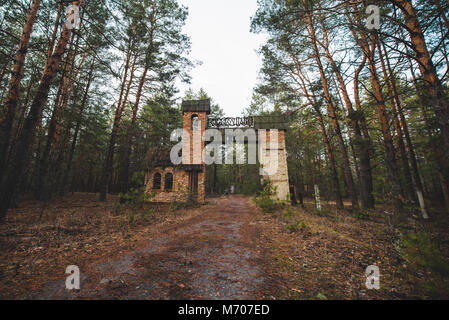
<point x="211" y="256"/>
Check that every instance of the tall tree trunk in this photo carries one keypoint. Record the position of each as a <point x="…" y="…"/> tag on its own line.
<point x="444" y="51"/>
<point x="58" y="147"/>
<point x="107" y="168"/>
<point x="330" y="154"/>
<point x="67" y="96"/>
<point x="381" y="108"/>
<point x="41" y="191"/>
<point x="436" y="156"/>
<point x="25" y="106"/>
<point x="78" y="166"/>
<point x="410" y="147"/>
<point x="3" y="73"/>
<point x="332" y="161"/>
<point x="410" y="193"/>
<point x="365" y="140"/>
<point x="358" y="105"/>
<point x="442" y="13"/>
<point x="351" y="141"/>
<point x="124" y="176"/>
<point x="55" y="32"/>
<point x="362" y="144"/>
<point x="65" y="88"/>
<point x="388" y="141"/>
<point x="124" y="180"/>
<point x="14" y="85"/>
<point x="78" y="127"/>
<point x="332" y="112"/>
<point x="12" y="179"/>
<point x="214" y="184"/>
<point x="440" y="100"/>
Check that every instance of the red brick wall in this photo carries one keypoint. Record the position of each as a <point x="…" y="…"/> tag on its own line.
<point x="180" y="185"/>
<point x="196" y="147"/>
<point x="195" y="152"/>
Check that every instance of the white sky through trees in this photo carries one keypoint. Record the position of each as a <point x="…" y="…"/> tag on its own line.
<point x="221" y="40"/>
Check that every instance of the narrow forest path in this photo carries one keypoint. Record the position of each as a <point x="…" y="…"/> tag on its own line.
<point x="211" y="256"/>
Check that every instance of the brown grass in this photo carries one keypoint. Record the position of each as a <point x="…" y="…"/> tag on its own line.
<point x="328" y="255"/>
<point x="38" y="241"/>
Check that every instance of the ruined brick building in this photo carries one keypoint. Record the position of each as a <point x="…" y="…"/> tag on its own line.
<point x="186" y="181"/>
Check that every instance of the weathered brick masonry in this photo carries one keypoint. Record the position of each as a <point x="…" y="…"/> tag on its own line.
<point x="280" y="177"/>
<point x="193" y="168"/>
<point x="189" y="177"/>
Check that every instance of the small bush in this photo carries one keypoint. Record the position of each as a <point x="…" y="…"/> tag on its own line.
<point x="420" y="252"/>
<point x="136" y="196"/>
<point x="267" y="204"/>
<point x="360" y="213"/>
<point x="296" y="227"/>
<point x="174" y="206"/>
<point x="133" y="200"/>
<point x="324" y="212"/>
<point x="321" y="296"/>
<point x="265" y="199"/>
<point x="149" y="212"/>
<point x="409" y="208"/>
<point x="288" y="214"/>
<point x="117" y="208"/>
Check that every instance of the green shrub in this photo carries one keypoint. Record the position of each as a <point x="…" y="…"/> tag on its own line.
<point x="296" y="227"/>
<point x="149" y="212"/>
<point x="420" y="252"/>
<point x="117" y="207"/>
<point x="265" y="198"/>
<point x="321" y="296"/>
<point x="288" y="214"/>
<point x="409" y="208"/>
<point x="136" y="196"/>
<point x="174" y="206"/>
<point x="133" y="200"/>
<point x="267" y="204"/>
<point x="324" y="212"/>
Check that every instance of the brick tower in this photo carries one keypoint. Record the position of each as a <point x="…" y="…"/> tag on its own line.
<point x="279" y="177"/>
<point x="194" y="124"/>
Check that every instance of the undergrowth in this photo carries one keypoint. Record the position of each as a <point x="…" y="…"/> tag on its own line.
<point x="266" y="200"/>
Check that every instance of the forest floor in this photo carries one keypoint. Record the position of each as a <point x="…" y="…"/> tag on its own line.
<point x="226" y="249"/>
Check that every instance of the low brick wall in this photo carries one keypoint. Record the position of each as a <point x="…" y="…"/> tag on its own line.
<point x="180" y="190"/>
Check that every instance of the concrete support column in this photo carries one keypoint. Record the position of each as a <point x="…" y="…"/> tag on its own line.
<point x="280" y="178"/>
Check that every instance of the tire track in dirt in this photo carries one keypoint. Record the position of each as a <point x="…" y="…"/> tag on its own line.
<point x="211" y="256"/>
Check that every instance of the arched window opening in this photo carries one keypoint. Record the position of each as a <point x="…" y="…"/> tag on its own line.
<point x="168" y="182"/>
<point x="157" y="181"/>
<point x="195" y="122"/>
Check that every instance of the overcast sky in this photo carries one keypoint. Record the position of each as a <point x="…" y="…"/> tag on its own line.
<point x="221" y="40"/>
